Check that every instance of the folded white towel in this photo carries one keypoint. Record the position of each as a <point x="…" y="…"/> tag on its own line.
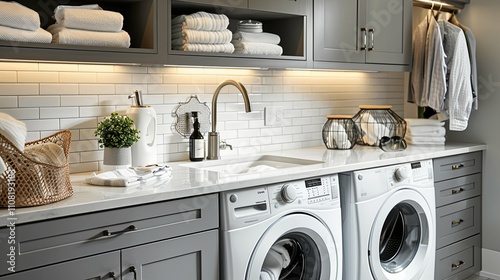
<point x="439" y="140"/>
<point x="63" y="35"/>
<point x="189" y="36"/>
<point x="202" y="21"/>
<point x="15" y="15"/>
<point x="95" y="20"/>
<point x="85" y="7"/>
<point x="26" y="36"/>
<point x="423" y="122"/>
<point x="426" y="131"/>
<point x="15" y="131"/>
<point x="257" y="48"/>
<point x="263" y="37"/>
<point x="128" y="177"/>
<point x="215" y="48"/>
<point x="49" y="153"/>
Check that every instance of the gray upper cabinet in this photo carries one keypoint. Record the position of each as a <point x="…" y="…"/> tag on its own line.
<point x="362" y="32"/>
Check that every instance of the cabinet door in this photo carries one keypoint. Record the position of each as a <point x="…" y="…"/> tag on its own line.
<point x="388" y="24"/>
<point x="296" y="7"/>
<point x="191" y="257"/>
<point x="99" y="267"/>
<point x="337" y="33"/>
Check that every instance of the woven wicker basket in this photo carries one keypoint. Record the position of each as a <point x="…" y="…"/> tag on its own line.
<point x="31" y="182"/>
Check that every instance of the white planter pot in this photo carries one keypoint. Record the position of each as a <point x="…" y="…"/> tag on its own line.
<point x="117" y="156"/>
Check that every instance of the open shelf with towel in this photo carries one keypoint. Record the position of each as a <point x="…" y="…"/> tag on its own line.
<point x="292" y="24"/>
<point x="141" y="19"/>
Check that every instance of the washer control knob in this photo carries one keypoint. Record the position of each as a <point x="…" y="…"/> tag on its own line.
<point x="288" y="193"/>
<point x="402" y="173"/>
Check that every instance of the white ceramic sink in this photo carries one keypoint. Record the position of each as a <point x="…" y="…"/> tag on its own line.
<point x="253" y="164"/>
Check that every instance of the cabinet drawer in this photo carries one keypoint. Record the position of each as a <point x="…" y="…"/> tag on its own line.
<point x="458" y="221"/>
<point x="295" y="7"/>
<point x="457" y="189"/>
<point x="51" y="241"/>
<point x="460" y="260"/>
<point x="456" y="166"/>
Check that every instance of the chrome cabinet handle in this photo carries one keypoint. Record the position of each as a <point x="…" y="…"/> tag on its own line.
<point x="457" y="166"/>
<point x="363" y="34"/>
<point x="112" y="275"/>
<point x="133" y="270"/>
<point x="455" y="266"/>
<point x="455" y="223"/>
<point x="372" y="39"/>
<point x="109" y="233"/>
<point x="457" y="191"/>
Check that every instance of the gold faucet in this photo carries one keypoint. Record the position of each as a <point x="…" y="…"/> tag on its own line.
<point x="214" y="136"/>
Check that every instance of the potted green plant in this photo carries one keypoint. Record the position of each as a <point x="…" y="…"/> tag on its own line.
<point x="116" y="134"/>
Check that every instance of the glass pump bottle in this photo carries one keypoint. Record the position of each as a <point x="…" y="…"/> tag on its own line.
<point x="196" y="141"/>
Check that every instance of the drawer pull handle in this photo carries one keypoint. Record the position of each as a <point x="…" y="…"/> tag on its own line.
<point x="372" y="39"/>
<point x="109" y="233"/>
<point x="457" y="191"/>
<point x="457" y="166"/>
<point x="455" y="223"/>
<point x="455" y="266"/>
<point x="112" y="275"/>
<point x="133" y="270"/>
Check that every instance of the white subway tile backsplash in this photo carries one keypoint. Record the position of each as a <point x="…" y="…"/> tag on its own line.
<point x="50" y="97"/>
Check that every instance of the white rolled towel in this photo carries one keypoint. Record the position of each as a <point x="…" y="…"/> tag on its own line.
<point x="87" y="19"/>
<point x="214" y="48"/>
<point x="202" y="21"/>
<point x="372" y="130"/>
<point x="49" y="153"/>
<point x="185" y="36"/>
<point x="15" y="131"/>
<point x="257" y="48"/>
<point x="15" y="15"/>
<point x="263" y="37"/>
<point x="26" y="36"/>
<point x="70" y="36"/>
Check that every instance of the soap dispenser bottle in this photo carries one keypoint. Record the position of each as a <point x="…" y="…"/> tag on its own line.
<point x="196" y="141"/>
<point x="144" y="117"/>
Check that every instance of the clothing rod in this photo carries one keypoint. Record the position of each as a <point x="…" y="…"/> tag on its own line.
<point x="437" y="6"/>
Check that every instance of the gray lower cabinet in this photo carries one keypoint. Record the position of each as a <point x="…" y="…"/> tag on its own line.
<point x="361" y="32"/>
<point x="458" y="215"/>
<point x="178" y="237"/>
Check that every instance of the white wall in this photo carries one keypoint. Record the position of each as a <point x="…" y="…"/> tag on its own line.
<point x="51" y="97"/>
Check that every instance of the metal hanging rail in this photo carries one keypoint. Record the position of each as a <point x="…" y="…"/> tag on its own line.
<point x="436" y="6"/>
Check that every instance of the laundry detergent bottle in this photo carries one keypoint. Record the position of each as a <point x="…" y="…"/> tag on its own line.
<point x="144" y="117"/>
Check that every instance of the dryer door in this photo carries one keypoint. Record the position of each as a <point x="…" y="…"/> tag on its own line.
<point x="297" y="246"/>
<point x="401" y="244"/>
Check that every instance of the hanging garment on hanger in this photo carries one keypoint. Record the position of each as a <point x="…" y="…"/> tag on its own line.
<point x="458" y="100"/>
<point x="471" y="46"/>
<point x="428" y="75"/>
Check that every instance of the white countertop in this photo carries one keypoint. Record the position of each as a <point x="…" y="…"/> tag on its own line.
<point x="188" y="181"/>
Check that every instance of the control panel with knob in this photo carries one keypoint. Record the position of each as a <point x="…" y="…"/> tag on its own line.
<point x="401" y="173"/>
<point x="288" y="193"/>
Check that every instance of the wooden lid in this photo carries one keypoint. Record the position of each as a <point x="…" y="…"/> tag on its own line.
<point x="376" y="107"/>
<point x="338" y="117"/>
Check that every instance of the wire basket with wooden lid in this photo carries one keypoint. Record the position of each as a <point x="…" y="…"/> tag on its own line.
<point x="377" y="121"/>
<point x="339" y="132"/>
<point x="31" y="181"/>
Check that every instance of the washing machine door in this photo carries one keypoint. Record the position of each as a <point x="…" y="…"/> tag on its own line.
<point x="400" y="240"/>
<point x="297" y="246"/>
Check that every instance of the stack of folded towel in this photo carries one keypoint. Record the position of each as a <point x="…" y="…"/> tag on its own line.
<point x="256" y="43"/>
<point x="88" y="25"/>
<point x="202" y="32"/>
<point x="21" y="24"/>
<point x="425" y="132"/>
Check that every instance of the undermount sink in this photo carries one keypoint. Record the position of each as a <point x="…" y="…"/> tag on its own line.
<point x="251" y="164"/>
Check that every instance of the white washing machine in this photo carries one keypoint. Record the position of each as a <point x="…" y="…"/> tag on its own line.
<point x="291" y="230"/>
<point x="389" y="222"/>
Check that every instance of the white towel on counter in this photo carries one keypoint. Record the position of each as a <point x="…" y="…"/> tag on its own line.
<point x="25" y="36"/>
<point x="127" y="177"/>
<point x="190" y="36"/>
<point x="70" y="36"/>
<point x="424" y="140"/>
<point x="257" y="48"/>
<point x="423" y="122"/>
<point x="215" y="48"/>
<point x="263" y="37"/>
<point x="95" y="20"/>
<point x="15" y="15"/>
<point x="202" y="21"/>
<point x="425" y="131"/>
<point x="15" y="131"/>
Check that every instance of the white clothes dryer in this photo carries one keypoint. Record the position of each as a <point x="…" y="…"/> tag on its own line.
<point x="389" y="222"/>
<point x="291" y="230"/>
